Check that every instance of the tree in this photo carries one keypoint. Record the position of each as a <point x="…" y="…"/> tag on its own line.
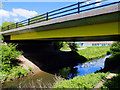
<point x="6" y="27"/>
<point x="57" y="45"/>
<point x="115" y="47"/>
<point x="73" y="46"/>
<point x="0" y="4"/>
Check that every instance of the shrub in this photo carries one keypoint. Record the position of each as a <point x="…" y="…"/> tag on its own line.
<point x="30" y="69"/>
<point x="113" y="83"/>
<point x="9" y="55"/>
<point x="115" y="47"/>
<point x="113" y="61"/>
<point x="9" y="66"/>
<point x="87" y="81"/>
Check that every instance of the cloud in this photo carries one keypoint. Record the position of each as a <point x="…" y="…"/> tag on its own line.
<point x="23" y="13"/>
<point x="16" y="19"/>
<point x="13" y="14"/>
<point x="4" y="13"/>
<point x="98" y="3"/>
<point x="17" y="12"/>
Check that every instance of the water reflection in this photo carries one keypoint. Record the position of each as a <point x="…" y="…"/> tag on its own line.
<point x="67" y="72"/>
<point x="82" y="69"/>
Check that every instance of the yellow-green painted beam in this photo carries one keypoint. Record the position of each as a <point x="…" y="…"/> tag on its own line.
<point x="109" y="28"/>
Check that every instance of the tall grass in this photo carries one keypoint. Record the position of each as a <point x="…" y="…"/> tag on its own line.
<point x="87" y="81"/>
<point x="93" y="52"/>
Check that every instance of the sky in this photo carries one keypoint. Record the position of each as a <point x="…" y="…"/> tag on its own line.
<point x="17" y="10"/>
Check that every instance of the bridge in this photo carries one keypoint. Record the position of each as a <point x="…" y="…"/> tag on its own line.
<point x="35" y="36"/>
<point x="69" y="23"/>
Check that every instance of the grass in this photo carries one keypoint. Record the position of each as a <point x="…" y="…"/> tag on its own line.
<point x="87" y="81"/>
<point x="93" y="52"/>
<point x="65" y="48"/>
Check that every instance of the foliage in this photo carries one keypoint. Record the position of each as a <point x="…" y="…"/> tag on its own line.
<point x="0" y="28"/>
<point x="69" y="46"/>
<point x="113" y="61"/>
<point x="0" y="4"/>
<point x="58" y="45"/>
<point x="92" y="52"/>
<point x="9" y="67"/>
<point x="115" y="47"/>
<point x="65" y="47"/>
<point x="5" y="24"/>
<point x="30" y="69"/>
<point x="73" y="46"/>
<point x="87" y="81"/>
<point x="113" y="83"/>
<point x="9" y="53"/>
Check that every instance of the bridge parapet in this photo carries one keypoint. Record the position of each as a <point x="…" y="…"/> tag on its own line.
<point x="65" y="11"/>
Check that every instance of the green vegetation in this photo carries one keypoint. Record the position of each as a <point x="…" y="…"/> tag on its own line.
<point x="69" y="46"/>
<point x="89" y="52"/>
<point x="114" y="61"/>
<point x="9" y="65"/>
<point x="93" y="52"/>
<point x="115" y="47"/>
<point x="87" y="81"/>
<point x="113" y="83"/>
<point x="111" y="64"/>
<point x="5" y="25"/>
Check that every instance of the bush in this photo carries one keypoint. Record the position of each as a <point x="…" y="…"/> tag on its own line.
<point x="113" y="61"/>
<point x="9" y="55"/>
<point x="57" y="45"/>
<point x="113" y="83"/>
<point x="30" y="69"/>
<point x="87" y="81"/>
<point x="9" y="66"/>
<point x="115" y="47"/>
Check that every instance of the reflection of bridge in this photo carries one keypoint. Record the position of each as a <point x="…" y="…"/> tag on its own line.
<point x="87" y="24"/>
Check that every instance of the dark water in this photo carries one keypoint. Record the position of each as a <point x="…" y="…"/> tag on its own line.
<point x="66" y="72"/>
<point x="82" y="69"/>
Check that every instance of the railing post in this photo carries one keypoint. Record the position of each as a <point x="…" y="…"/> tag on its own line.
<point x="47" y="16"/>
<point x="78" y="7"/>
<point x="16" y="25"/>
<point x="28" y="21"/>
<point x="8" y="27"/>
<point x="2" y="29"/>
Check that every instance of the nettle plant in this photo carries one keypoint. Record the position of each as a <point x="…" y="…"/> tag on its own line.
<point x="9" y="55"/>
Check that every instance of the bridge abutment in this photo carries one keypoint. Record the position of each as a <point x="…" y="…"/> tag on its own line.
<point x="45" y="56"/>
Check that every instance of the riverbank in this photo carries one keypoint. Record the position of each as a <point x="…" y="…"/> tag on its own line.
<point x="25" y="63"/>
<point x="94" y="52"/>
<point x="10" y="68"/>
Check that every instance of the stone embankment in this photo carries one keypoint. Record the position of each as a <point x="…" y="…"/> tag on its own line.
<point x="26" y="63"/>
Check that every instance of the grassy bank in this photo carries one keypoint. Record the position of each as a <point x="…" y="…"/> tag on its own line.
<point x="9" y="65"/>
<point x="87" y="81"/>
<point x="94" y="52"/>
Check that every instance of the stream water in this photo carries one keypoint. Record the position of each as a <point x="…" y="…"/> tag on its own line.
<point x="66" y="72"/>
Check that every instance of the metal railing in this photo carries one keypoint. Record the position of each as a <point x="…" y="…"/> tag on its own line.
<point x="65" y="11"/>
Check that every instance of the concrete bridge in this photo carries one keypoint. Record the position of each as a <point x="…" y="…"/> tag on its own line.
<point x="36" y="39"/>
